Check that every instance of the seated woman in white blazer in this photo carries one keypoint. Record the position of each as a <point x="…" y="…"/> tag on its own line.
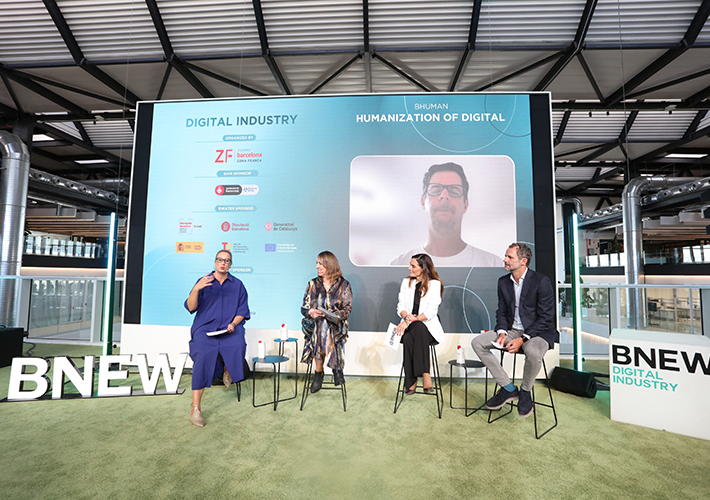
<point x="418" y="306"/>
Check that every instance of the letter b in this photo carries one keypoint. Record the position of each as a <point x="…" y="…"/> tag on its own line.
<point x="620" y="355"/>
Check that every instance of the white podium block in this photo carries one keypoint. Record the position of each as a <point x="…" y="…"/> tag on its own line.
<point x="661" y="380"/>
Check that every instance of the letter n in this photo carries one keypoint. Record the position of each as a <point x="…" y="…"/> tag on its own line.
<point x="65" y="366"/>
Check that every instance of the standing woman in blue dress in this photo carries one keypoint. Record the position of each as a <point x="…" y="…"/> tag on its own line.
<point x="418" y="308"/>
<point x="325" y="337"/>
<point x="221" y="303"/>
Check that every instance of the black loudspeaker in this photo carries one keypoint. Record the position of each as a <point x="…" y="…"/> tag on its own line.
<point x="573" y="382"/>
<point x="10" y="344"/>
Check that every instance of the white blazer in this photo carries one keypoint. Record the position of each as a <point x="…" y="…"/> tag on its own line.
<point x="428" y="305"/>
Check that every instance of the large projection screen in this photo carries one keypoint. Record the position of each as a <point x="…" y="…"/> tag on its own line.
<point x="278" y="180"/>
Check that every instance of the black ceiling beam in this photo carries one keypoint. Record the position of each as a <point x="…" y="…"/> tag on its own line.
<point x="160" y="28"/>
<point x="604" y="148"/>
<point x="8" y="111"/>
<point x="470" y="45"/>
<point x="224" y="79"/>
<point x="697" y="97"/>
<point x="50" y="144"/>
<point x="626" y="106"/>
<point x="670" y="83"/>
<point x="170" y="56"/>
<point x="573" y="48"/>
<point x="590" y="76"/>
<point x="13" y="96"/>
<point x="609" y="174"/>
<point x="54" y="162"/>
<point x="666" y="58"/>
<point x="44" y="92"/>
<point x="616" y="143"/>
<point x="84" y="134"/>
<point x="78" y="55"/>
<point x="265" y="52"/>
<point x="624" y="151"/>
<point x="62" y="86"/>
<point x="576" y="151"/>
<point x="627" y="125"/>
<point x="696" y="122"/>
<point x="89" y="147"/>
<point x="600" y="203"/>
<point x="164" y="82"/>
<point x="673" y="145"/>
<point x="562" y="127"/>
<point x="336" y="73"/>
<point x="104" y="78"/>
<point x="519" y="72"/>
<point x="401" y="73"/>
<point x="366" y="26"/>
<point x="70" y="117"/>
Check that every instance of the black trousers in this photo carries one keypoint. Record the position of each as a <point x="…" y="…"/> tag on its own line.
<point x="416" y="340"/>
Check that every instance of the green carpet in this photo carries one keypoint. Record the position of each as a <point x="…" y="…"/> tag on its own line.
<point x="145" y="447"/>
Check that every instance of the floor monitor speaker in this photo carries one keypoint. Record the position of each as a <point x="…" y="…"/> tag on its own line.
<point x="573" y="382"/>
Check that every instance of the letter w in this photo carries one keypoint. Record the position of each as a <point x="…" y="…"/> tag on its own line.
<point x="162" y="364"/>
<point x="697" y="360"/>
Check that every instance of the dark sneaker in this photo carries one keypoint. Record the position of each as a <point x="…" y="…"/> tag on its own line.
<point x="317" y="382"/>
<point x="503" y="396"/>
<point x="525" y="403"/>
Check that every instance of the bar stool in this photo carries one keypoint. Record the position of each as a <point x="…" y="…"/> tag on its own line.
<point x="535" y="402"/>
<point x="274" y="361"/>
<point x="435" y="380"/>
<point x="468" y="363"/>
<point x="330" y="383"/>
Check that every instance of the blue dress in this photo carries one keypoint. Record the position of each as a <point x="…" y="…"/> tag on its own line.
<point x="217" y="305"/>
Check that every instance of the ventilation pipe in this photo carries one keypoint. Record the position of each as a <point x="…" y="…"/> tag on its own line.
<point x="633" y="241"/>
<point x="14" y="177"/>
<point x="119" y="186"/>
<point x="574" y="200"/>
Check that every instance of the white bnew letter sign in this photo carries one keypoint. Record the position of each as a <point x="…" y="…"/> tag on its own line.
<point x="65" y="367"/>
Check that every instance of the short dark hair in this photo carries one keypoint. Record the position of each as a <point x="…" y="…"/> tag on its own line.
<point x="523" y="251"/>
<point x="446" y="167"/>
<point x="224" y="251"/>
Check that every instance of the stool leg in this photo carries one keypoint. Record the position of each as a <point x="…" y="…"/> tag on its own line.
<point x="344" y="394"/>
<point x="551" y="405"/>
<point x="436" y="381"/>
<point x="277" y="380"/>
<point x="306" y="384"/>
<point x="399" y="384"/>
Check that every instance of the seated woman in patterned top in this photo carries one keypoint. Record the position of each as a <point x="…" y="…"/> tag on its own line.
<point x="325" y="334"/>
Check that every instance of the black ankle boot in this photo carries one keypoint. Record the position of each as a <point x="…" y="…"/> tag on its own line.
<point x="338" y="377"/>
<point x="317" y="382"/>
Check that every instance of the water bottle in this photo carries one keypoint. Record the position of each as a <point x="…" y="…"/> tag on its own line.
<point x="284" y="332"/>
<point x="460" y="356"/>
<point x="261" y="352"/>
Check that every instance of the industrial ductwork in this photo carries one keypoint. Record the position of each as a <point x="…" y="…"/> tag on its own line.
<point x="120" y="186"/>
<point x="78" y="190"/>
<point x="14" y="175"/>
<point x="573" y="200"/>
<point x="633" y="239"/>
